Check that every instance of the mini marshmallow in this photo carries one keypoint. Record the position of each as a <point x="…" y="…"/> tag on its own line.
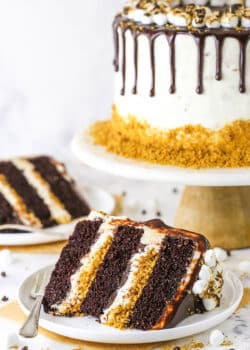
<point x="229" y="20"/>
<point x="205" y="273"/>
<point x="160" y="19"/>
<point x="5" y="258"/>
<point x="137" y="15"/>
<point x="245" y="19"/>
<point x="146" y="19"/>
<point x="210" y="258"/>
<point x="244" y="266"/>
<point x="210" y="303"/>
<point x="216" y="337"/>
<point x="221" y="254"/>
<point x="245" y="22"/>
<point x="130" y="14"/>
<point x="199" y="287"/>
<point x="212" y="22"/>
<point x="179" y="18"/>
<point x="218" y="269"/>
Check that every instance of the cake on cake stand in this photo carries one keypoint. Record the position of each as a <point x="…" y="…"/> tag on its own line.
<point x="214" y="201"/>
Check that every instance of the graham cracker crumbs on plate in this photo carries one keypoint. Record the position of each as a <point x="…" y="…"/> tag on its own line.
<point x="189" y="146"/>
<point x="227" y="343"/>
<point x="197" y="345"/>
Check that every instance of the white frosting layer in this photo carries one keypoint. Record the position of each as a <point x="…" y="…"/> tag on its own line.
<point x="56" y="208"/>
<point x="221" y="102"/>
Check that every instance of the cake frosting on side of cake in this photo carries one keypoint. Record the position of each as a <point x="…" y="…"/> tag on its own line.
<point x="181" y="75"/>
<point x="38" y="192"/>
<point x="128" y="274"/>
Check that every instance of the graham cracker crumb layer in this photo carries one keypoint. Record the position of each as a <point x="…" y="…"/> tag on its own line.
<point x="189" y="146"/>
<point x="118" y="316"/>
<point x="87" y="273"/>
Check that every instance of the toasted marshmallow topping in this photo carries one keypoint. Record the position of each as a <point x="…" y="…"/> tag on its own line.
<point x="179" y="18"/>
<point x="245" y="19"/>
<point x="229" y="20"/>
<point x="213" y="21"/>
<point x="199" y="15"/>
<point x="160" y="19"/>
<point x="209" y="284"/>
<point x="184" y="13"/>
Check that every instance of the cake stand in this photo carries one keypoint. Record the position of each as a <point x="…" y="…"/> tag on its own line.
<point x="215" y="201"/>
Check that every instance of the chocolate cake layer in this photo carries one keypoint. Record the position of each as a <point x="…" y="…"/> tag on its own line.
<point x="7" y="214"/>
<point x="28" y="194"/>
<point x="80" y="242"/>
<point x="174" y="258"/>
<point x="112" y="270"/>
<point x="62" y="188"/>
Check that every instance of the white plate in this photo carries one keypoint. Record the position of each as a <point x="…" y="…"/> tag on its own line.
<point x="87" y="328"/>
<point x="97" y="157"/>
<point x="96" y="198"/>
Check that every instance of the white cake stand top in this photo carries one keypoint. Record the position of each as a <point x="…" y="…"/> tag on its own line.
<point x="97" y="157"/>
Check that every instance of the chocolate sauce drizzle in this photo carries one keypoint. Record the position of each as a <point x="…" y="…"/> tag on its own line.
<point x="200" y="36"/>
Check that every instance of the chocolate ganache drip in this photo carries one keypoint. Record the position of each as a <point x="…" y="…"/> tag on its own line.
<point x="153" y="32"/>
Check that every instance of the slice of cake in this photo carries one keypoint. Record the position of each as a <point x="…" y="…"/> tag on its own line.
<point x="38" y="192"/>
<point x="128" y="274"/>
<point x="182" y="83"/>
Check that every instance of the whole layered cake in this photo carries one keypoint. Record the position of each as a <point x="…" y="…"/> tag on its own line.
<point x="128" y="274"/>
<point x="182" y="84"/>
<point x="37" y="192"/>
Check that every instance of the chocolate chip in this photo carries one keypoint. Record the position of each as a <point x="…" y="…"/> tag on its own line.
<point x="4" y="298"/>
<point x="176" y="348"/>
<point x="175" y="190"/>
<point x="25" y="348"/>
<point x="144" y="212"/>
<point x="158" y="213"/>
<point x="3" y="274"/>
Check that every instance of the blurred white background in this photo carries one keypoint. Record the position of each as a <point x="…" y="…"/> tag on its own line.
<point x="55" y="71"/>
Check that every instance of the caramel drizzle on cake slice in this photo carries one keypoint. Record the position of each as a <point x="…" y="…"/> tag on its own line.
<point x="55" y="206"/>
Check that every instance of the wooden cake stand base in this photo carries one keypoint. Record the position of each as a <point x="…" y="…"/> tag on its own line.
<point x="221" y="213"/>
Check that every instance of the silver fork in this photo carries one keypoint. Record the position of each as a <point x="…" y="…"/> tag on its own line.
<point x="30" y="326"/>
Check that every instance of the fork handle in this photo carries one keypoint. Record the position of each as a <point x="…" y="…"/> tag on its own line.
<point x="30" y="326"/>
